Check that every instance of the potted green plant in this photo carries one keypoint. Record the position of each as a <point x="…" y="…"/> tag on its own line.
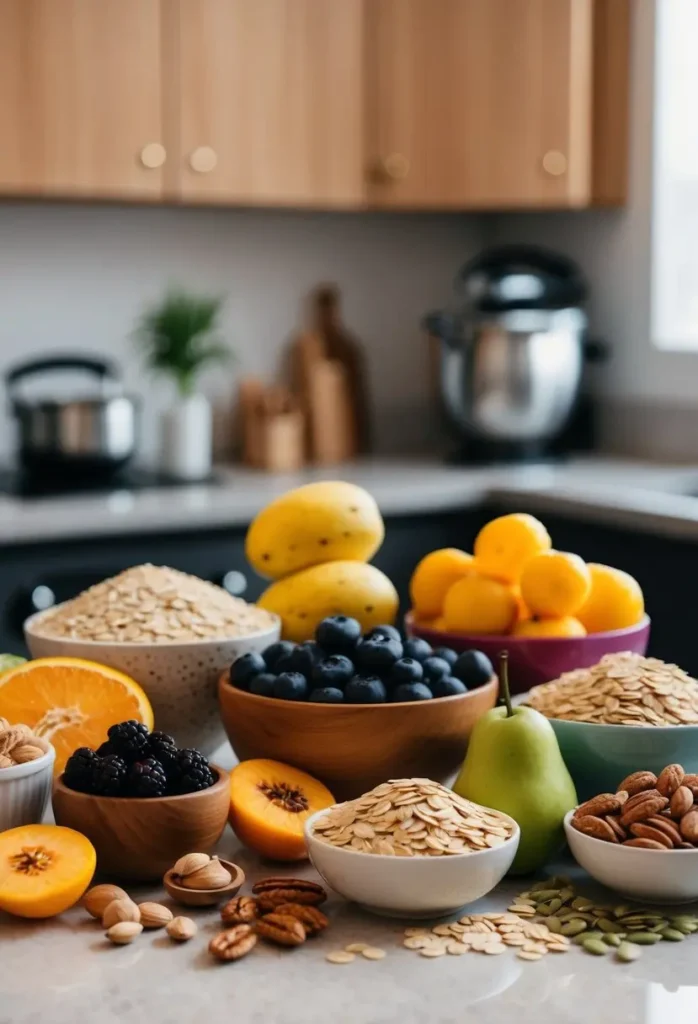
<point x="180" y="337"/>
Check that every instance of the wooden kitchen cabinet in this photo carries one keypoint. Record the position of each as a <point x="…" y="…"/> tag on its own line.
<point x="270" y="101"/>
<point x="81" y="98"/>
<point x="496" y="103"/>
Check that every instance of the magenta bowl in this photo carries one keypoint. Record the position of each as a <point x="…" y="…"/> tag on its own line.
<point x="534" y="660"/>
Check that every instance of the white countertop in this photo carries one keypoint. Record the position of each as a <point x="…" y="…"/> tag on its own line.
<point x="614" y="491"/>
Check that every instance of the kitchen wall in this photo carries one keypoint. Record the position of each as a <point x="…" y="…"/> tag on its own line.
<point x="77" y="277"/>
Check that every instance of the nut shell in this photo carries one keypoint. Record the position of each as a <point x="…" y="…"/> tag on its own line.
<point x="154" y="915"/>
<point x="124" y="932"/>
<point x="189" y="863"/>
<point x="211" y="876"/>
<point x="97" y="899"/>
<point x="120" y="910"/>
<point x="233" y="944"/>
<point x="181" y="929"/>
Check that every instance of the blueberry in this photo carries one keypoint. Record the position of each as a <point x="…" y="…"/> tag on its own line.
<point x="473" y="668"/>
<point x="411" y="691"/>
<point x="417" y="648"/>
<point x="406" y="670"/>
<point x="389" y="631"/>
<point x="447" y="654"/>
<point x="447" y="686"/>
<point x="291" y="686"/>
<point x="339" y="634"/>
<point x="335" y="672"/>
<point x="304" y="658"/>
<point x="365" y="690"/>
<point x="276" y="651"/>
<point x="244" y="669"/>
<point x="263" y="684"/>
<point x="284" y="663"/>
<point x="435" y="668"/>
<point x="377" y="654"/>
<point x="326" y="695"/>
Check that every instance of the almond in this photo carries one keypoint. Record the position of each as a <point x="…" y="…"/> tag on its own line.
<point x="120" y="910"/>
<point x="681" y="802"/>
<point x="651" y="803"/>
<point x="25" y="752"/>
<point x="189" y="863"/>
<point x="97" y="899"/>
<point x="670" y="778"/>
<point x="596" y="827"/>
<point x="154" y="915"/>
<point x="604" y="803"/>
<point x="641" y="830"/>
<point x="212" y="876"/>
<point x="689" y="827"/>
<point x="124" y="932"/>
<point x="181" y="929"/>
<point x="637" y="782"/>
<point x="644" y="844"/>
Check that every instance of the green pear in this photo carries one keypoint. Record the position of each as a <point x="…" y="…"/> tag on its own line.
<point x="514" y="764"/>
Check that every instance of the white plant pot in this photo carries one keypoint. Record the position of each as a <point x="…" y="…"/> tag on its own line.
<point x="187" y="438"/>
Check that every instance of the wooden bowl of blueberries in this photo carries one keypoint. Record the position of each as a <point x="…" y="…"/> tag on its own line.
<point x="356" y="710"/>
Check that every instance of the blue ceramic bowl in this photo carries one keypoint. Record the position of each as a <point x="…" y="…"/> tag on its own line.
<point x="600" y="756"/>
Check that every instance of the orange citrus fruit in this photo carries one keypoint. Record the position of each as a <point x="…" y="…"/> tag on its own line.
<point x="563" y="626"/>
<point x="44" y="869"/>
<point x="433" y="577"/>
<point x="477" y="604"/>
<point x="504" y="545"/>
<point x="555" y="584"/>
<point x="71" y="702"/>
<point x="615" y="601"/>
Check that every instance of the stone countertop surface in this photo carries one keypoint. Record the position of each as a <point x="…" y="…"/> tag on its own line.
<point x="636" y="495"/>
<point x="63" y="971"/>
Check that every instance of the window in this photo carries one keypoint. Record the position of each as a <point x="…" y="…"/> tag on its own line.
<point x="675" y="199"/>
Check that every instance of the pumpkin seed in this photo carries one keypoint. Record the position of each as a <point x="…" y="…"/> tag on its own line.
<point x="595" y="946"/>
<point x="574" y="927"/>
<point x="612" y="940"/>
<point x="621" y="910"/>
<point x="609" y="926"/>
<point x="627" y="952"/>
<point x="579" y="940"/>
<point x="646" y="938"/>
<point x="672" y="935"/>
<point x="554" y="925"/>
<point x="543" y="895"/>
<point x="582" y="903"/>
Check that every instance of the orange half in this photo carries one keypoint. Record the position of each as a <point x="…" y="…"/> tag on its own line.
<point x="71" y="702"/>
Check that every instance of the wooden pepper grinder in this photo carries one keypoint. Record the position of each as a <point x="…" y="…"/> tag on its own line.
<point x="340" y="345"/>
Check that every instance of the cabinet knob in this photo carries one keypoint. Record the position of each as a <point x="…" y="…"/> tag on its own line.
<point x="394" y="167"/>
<point x="555" y="163"/>
<point x="203" y="160"/>
<point x="153" y="155"/>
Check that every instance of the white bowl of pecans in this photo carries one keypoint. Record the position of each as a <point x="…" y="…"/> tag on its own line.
<point x="171" y="632"/>
<point x="641" y="840"/>
<point x="411" y="848"/>
<point x="26" y="775"/>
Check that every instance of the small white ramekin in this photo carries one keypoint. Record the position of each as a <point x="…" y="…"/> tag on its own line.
<point x="25" y="790"/>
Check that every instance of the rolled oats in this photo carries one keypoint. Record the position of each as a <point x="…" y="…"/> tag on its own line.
<point x="622" y="689"/>
<point x="151" y="604"/>
<point x="438" y="823"/>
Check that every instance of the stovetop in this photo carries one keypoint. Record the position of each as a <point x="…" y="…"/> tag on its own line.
<point x="21" y="484"/>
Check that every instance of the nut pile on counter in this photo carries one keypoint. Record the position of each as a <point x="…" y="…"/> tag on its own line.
<point x="413" y="818"/>
<point x="18" y="745"/>
<point x="647" y="811"/>
<point x="153" y="604"/>
<point x="622" y="689"/>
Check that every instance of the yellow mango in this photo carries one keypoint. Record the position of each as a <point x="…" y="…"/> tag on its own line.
<point x="326" y="521"/>
<point x="305" y="598"/>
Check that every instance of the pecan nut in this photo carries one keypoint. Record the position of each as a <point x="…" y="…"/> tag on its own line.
<point x="689" y="827"/>
<point x="312" y="919"/>
<point x="641" y="830"/>
<point x="279" y="882"/>
<point x="670" y="778"/>
<point x="668" y="827"/>
<point x="638" y="781"/>
<point x="595" y="827"/>
<point x="269" y="900"/>
<point x="681" y="802"/>
<point x="598" y="806"/>
<point x="239" y="910"/>
<point x="614" y="821"/>
<point x="644" y="844"/>
<point x="642" y="807"/>
<point x="283" y="929"/>
<point x="233" y="944"/>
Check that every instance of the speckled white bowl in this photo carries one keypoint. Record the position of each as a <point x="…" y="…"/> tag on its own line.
<point x="25" y="789"/>
<point x="180" y="679"/>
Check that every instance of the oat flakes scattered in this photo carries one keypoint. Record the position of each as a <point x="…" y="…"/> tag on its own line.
<point x="340" y="956"/>
<point x="373" y="953"/>
<point x="412" y="818"/>
<point x="356" y="947"/>
<point x="622" y="689"/>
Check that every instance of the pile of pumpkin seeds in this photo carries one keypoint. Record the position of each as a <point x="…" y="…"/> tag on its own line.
<point x="599" y="929"/>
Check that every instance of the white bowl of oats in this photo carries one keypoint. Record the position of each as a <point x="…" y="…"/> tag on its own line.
<point x="411" y="848"/>
<point x="171" y="632"/>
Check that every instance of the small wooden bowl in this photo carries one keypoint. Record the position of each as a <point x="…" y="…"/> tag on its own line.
<point x="353" y="747"/>
<point x="205" y="897"/>
<point x="139" y="839"/>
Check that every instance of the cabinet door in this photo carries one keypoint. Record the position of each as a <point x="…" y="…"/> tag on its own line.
<point x="271" y="101"/>
<point x="80" y="98"/>
<point x="479" y="102"/>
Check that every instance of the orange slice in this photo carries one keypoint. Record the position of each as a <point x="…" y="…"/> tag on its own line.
<point x="71" y="702"/>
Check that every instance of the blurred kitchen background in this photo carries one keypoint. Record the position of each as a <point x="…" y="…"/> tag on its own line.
<point x="441" y="247"/>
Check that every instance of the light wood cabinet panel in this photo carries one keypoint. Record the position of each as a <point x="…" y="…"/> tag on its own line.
<point x="480" y="103"/>
<point x="80" y="98"/>
<point x="271" y="101"/>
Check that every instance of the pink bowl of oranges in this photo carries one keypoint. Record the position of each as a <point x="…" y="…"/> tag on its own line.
<point x="550" y="609"/>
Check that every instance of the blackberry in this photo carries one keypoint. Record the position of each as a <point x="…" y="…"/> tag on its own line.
<point x="105" y="750"/>
<point x="79" y="769"/>
<point x="163" y="748"/>
<point x="129" y="740"/>
<point x="109" y="776"/>
<point x="195" y="777"/>
<point x="147" y="778"/>
<point x="188" y="758"/>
